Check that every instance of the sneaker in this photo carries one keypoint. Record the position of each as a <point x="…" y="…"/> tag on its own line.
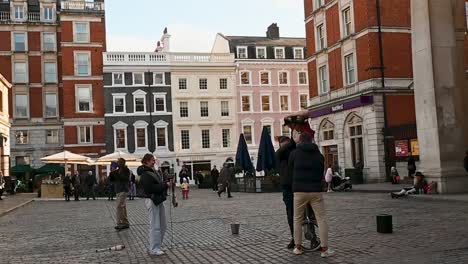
<point x="291" y="244"/>
<point x="314" y="245"/>
<point x="327" y="253"/>
<point x="298" y="251"/>
<point x="330" y="191"/>
<point x="157" y="253"/>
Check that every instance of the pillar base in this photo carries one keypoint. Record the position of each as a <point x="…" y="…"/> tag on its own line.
<point x="449" y="181"/>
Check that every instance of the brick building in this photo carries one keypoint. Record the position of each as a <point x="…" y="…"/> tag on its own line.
<point x="361" y="87"/>
<point x="51" y="51"/>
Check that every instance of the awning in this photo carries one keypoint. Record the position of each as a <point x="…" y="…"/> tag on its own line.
<point x="19" y="169"/>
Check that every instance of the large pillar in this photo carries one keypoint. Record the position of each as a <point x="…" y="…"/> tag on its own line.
<point x="440" y="94"/>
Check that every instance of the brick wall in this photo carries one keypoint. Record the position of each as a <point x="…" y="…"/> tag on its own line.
<point x="5" y="44"/>
<point x="308" y="7"/>
<point x="35" y="69"/>
<point x="400" y="110"/>
<point x="333" y="25"/>
<point x="34" y="41"/>
<point x="35" y="102"/>
<point x="313" y="86"/>
<point x="335" y="69"/>
<point x="310" y="38"/>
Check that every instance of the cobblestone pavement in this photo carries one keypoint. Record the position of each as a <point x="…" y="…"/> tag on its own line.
<point x="12" y="202"/>
<point x="60" y="232"/>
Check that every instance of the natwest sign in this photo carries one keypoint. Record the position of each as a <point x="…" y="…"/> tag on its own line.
<point x="362" y="100"/>
<point x="337" y="108"/>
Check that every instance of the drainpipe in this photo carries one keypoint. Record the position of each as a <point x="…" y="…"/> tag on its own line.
<point x="152" y="128"/>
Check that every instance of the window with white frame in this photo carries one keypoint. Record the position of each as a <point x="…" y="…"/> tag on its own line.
<point x="224" y="108"/>
<point x="185" y="139"/>
<point x="160" y="102"/>
<point x="226" y="134"/>
<point x="161" y="134"/>
<point x="82" y="63"/>
<point x="182" y="83"/>
<point x="203" y="83"/>
<point x="248" y="134"/>
<point x="323" y="79"/>
<point x="264" y="78"/>
<point x="81" y="32"/>
<point x="19" y="41"/>
<point x="284" y="103"/>
<point x="245" y="77"/>
<point x="21" y="106"/>
<point x="20" y="74"/>
<point x="52" y="136"/>
<point x="19" y="12"/>
<point x="50" y="72"/>
<point x="159" y="78"/>
<point x="83" y="98"/>
<point x="328" y="131"/>
<point x="117" y="78"/>
<point x="349" y="68"/>
<point x="302" y="76"/>
<point x="204" y="109"/>
<point x="119" y="103"/>
<point x="246" y="103"/>
<point x="283" y="78"/>
<point x="51" y="105"/>
<point x="205" y="138"/>
<point x="140" y="103"/>
<point x="184" y="109"/>
<point x="85" y="134"/>
<point x="48" y="13"/>
<point x="140" y="137"/>
<point x="303" y="101"/>
<point x="319" y="3"/>
<point x="22" y="137"/>
<point x="320" y="37"/>
<point x="120" y="138"/>
<point x="266" y="103"/>
<point x="279" y="53"/>
<point x="285" y="131"/>
<point x="48" y="41"/>
<point x="357" y="146"/>
<point x="346" y="19"/>
<point x="138" y="78"/>
<point x="223" y="83"/>
<point x="242" y="53"/>
<point x="299" y="53"/>
<point x="261" y="53"/>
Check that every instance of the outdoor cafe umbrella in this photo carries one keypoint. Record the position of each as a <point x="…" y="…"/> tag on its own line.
<point x="266" y="153"/>
<point x="66" y="157"/>
<point x="129" y="158"/>
<point x="242" y="156"/>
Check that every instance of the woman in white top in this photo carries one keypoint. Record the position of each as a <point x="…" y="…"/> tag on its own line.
<point x="328" y="178"/>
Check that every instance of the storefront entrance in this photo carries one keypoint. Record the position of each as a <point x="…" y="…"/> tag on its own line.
<point x="331" y="155"/>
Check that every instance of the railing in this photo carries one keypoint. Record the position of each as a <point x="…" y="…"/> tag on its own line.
<point x="34" y="16"/>
<point x="4" y="16"/>
<point x="82" y="5"/>
<point x="147" y="58"/>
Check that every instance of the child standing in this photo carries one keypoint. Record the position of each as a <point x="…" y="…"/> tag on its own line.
<point x="185" y="189"/>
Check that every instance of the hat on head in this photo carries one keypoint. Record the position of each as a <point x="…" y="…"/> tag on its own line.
<point x="419" y="174"/>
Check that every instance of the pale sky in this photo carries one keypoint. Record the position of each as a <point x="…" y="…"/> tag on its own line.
<point x="137" y="25"/>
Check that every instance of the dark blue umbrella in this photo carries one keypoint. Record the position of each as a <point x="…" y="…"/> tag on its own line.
<point x="242" y="156"/>
<point x="266" y="153"/>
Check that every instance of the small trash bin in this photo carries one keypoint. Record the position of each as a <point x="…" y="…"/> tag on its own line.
<point x="384" y="224"/>
<point x="235" y="229"/>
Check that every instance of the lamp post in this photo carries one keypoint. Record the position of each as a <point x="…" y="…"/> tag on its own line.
<point x="152" y="132"/>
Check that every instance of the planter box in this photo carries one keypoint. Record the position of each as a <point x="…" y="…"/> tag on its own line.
<point x="51" y="191"/>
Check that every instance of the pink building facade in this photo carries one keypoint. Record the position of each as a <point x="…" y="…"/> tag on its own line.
<point x="272" y="82"/>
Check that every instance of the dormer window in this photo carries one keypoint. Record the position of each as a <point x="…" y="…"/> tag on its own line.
<point x="279" y="53"/>
<point x="242" y="52"/>
<point x="298" y="53"/>
<point x="261" y="53"/>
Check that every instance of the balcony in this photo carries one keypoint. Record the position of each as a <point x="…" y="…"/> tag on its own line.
<point x="82" y="6"/>
<point x="4" y="16"/>
<point x="34" y="17"/>
<point x="152" y="58"/>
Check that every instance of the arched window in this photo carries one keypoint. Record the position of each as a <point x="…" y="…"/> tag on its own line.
<point x="355" y="132"/>
<point x="328" y="130"/>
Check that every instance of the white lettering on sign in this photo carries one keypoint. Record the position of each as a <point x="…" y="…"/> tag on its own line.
<point x="337" y="108"/>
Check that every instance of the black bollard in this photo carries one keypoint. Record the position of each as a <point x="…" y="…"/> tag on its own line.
<point x="384" y="224"/>
<point x="235" y="229"/>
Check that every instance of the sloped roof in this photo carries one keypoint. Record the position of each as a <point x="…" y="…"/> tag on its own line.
<point x="264" y="41"/>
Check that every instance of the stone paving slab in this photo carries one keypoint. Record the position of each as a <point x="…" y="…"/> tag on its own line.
<point x="69" y="232"/>
<point x="13" y="202"/>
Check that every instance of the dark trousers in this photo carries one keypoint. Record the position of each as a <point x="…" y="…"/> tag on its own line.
<point x="77" y="193"/>
<point x="288" y="199"/>
<point x="90" y="193"/>
<point x="1" y="193"/>
<point x="224" y="188"/>
<point x="67" y="190"/>
<point x="215" y="184"/>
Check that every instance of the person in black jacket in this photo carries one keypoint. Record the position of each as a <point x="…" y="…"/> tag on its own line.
<point x="154" y="189"/>
<point x="282" y="156"/>
<point x="307" y="165"/>
<point x="214" y="178"/>
<point x="91" y="184"/>
<point x="120" y="178"/>
<point x="67" y="187"/>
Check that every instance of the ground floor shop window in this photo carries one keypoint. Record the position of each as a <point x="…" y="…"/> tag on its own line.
<point x="357" y="149"/>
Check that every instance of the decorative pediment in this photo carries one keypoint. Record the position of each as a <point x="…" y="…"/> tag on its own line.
<point x="327" y="125"/>
<point x="120" y="124"/>
<point x="353" y="118"/>
<point x="139" y="92"/>
<point x="161" y="123"/>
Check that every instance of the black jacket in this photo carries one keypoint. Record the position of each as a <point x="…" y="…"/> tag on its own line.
<point x="90" y="180"/>
<point x="465" y="163"/>
<point x="120" y="179"/>
<point x="282" y="158"/>
<point x="307" y="165"/>
<point x="152" y="182"/>
<point x="215" y="174"/>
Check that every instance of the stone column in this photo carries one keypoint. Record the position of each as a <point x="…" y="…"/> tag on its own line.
<point x="440" y="94"/>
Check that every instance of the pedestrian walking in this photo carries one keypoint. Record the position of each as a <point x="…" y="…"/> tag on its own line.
<point x="120" y="178"/>
<point x="282" y="156"/>
<point x="132" y="186"/>
<point x="329" y="178"/>
<point x="67" y="187"/>
<point x="224" y="180"/>
<point x="76" y="181"/>
<point x="214" y="178"/>
<point x="2" y="184"/>
<point x="307" y="165"/>
<point x="185" y="189"/>
<point x="154" y="189"/>
<point x="110" y="185"/>
<point x="91" y="184"/>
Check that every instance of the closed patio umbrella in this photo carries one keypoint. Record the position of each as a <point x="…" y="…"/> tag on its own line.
<point x="266" y="153"/>
<point x="242" y="156"/>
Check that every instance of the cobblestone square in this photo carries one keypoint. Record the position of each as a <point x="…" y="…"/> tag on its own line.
<point x="425" y="231"/>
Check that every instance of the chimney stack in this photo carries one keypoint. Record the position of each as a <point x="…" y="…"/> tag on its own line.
<point x="273" y="31"/>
